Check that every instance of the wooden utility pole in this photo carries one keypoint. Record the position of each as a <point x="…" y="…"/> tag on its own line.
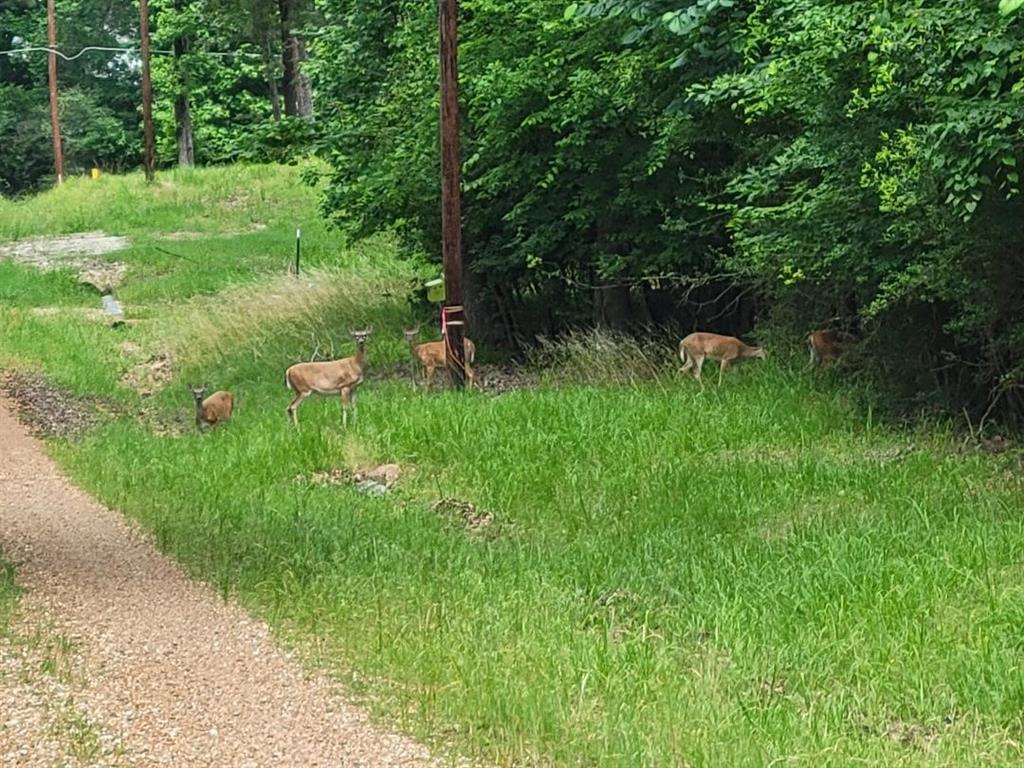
<point x="147" y="92"/>
<point x="451" y="203"/>
<point x="58" y="146"/>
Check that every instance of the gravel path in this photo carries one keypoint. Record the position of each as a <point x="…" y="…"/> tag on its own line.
<point x="121" y="660"/>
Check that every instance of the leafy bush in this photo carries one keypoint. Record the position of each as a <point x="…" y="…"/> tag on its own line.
<point x="711" y="164"/>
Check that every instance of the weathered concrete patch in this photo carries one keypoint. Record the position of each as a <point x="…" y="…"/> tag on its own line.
<point x="78" y="251"/>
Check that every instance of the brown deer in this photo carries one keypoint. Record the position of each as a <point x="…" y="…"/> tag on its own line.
<point x="828" y="346"/>
<point x="215" y="409"/>
<point x="696" y="347"/>
<point x="431" y="355"/>
<point x="333" y="377"/>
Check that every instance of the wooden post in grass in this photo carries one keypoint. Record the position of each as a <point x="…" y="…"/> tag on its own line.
<point x="298" y="248"/>
<point x="147" y="93"/>
<point x="51" y="36"/>
<point x="451" y="204"/>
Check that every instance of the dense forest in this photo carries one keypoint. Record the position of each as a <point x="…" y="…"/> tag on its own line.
<point x="776" y="165"/>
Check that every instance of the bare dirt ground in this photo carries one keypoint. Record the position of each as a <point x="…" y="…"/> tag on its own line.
<point x="119" y="659"/>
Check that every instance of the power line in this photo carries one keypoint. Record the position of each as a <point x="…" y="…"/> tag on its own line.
<point x="105" y="49"/>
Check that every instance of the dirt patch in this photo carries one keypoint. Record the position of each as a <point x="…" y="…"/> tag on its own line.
<point x="150" y="376"/>
<point x="373" y="480"/>
<point x="474" y="521"/>
<point x="78" y="252"/>
<point x="188" y="234"/>
<point x="385" y="474"/>
<point x="909" y="734"/>
<point x="234" y="202"/>
<point x="502" y="379"/>
<point x="491" y="379"/>
<point x="80" y="313"/>
<point x="48" y="410"/>
<point x="129" y="348"/>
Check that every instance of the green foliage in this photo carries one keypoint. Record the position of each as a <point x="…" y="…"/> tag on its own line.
<point x="221" y="54"/>
<point x="1006" y="7"/>
<point x="228" y="94"/>
<point x="847" y="163"/>
<point x="890" y="184"/>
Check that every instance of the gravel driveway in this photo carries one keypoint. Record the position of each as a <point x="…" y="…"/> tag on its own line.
<point x="119" y="659"/>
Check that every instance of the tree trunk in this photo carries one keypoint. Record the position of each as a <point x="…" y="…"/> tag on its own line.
<point x="612" y="308"/>
<point x="271" y="76"/>
<point x="298" y="95"/>
<point x="182" y="107"/>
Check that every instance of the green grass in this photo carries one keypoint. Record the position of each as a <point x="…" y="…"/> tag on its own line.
<point x="751" y="575"/>
<point x="8" y="596"/>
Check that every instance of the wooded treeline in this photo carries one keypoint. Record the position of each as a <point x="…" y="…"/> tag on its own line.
<point x="716" y="164"/>
<point x="227" y="84"/>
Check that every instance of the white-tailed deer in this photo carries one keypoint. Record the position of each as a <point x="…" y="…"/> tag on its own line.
<point x="333" y="377"/>
<point x="213" y="410"/>
<point x="696" y="347"/>
<point x="431" y="355"/>
<point x="828" y="346"/>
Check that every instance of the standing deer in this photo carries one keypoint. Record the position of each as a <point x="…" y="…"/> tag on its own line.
<point x="827" y="346"/>
<point x="431" y="355"/>
<point x="697" y="346"/>
<point x="215" y="409"/>
<point x="333" y="377"/>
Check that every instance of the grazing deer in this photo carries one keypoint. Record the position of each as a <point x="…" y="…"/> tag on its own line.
<point x="827" y="346"/>
<point x="431" y="355"/>
<point x="727" y="349"/>
<point x="215" y="409"/>
<point x="333" y="377"/>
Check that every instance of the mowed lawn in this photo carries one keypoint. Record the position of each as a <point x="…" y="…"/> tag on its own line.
<point x="650" y="575"/>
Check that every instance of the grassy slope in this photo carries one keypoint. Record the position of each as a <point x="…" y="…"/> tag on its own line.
<point x="747" y="575"/>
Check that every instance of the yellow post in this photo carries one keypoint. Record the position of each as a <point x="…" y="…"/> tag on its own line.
<point x="95" y="173"/>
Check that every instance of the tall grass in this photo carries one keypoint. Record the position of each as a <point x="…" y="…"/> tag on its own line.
<point x="752" y="574"/>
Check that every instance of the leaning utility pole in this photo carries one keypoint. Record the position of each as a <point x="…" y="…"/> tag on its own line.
<point x="453" y="320"/>
<point x="147" y="92"/>
<point x="58" y="147"/>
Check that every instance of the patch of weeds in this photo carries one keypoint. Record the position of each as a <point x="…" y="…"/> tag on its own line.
<point x="57" y="655"/>
<point x="80" y="738"/>
<point x="9" y="593"/>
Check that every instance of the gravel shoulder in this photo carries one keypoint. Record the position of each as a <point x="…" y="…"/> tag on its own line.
<point x="117" y="658"/>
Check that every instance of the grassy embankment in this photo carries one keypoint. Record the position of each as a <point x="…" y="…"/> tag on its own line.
<point x="752" y="575"/>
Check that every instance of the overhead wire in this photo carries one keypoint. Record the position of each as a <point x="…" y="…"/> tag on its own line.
<point x="107" y="49"/>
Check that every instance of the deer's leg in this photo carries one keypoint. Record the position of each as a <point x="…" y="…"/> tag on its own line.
<point x="355" y="409"/>
<point x="430" y="376"/>
<point x="686" y="359"/>
<point x="295" y="407"/>
<point x="698" y="368"/>
<point x="721" y="371"/>
<point x="345" y="393"/>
